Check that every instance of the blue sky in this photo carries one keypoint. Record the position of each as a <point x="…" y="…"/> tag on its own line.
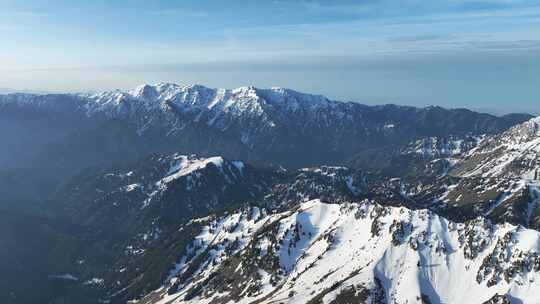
<point x="482" y="54"/>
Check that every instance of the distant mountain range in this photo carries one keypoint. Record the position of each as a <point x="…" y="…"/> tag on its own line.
<point x="278" y="126"/>
<point x="14" y="91"/>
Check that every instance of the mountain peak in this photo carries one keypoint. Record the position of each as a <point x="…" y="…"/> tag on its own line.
<point x="183" y="165"/>
<point x="145" y="91"/>
<point x="273" y="95"/>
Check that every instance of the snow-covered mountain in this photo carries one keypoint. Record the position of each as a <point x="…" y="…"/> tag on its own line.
<point x="500" y="178"/>
<point x="180" y="228"/>
<point x="275" y="125"/>
<point x="157" y="189"/>
<point x="191" y="229"/>
<point x="129" y="216"/>
<point x="514" y="153"/>
<point x="497" y="177"/>
<point x="215" y="104"/>
<point x="426" y="207"/>
<point x="353" y="253"/>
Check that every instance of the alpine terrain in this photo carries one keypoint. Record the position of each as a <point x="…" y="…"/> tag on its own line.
<point x="186" y="194"/>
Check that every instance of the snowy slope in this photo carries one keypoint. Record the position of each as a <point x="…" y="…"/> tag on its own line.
<point x="450" y="146"/>
<point x="514" y="153"/>
<point x="321" y="251"/>
<point x="498" y="179"/>
<point x="177" y="181"/>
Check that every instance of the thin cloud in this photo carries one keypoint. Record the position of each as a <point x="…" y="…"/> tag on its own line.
<point x="496" y="30"/>
<point x="319" y="8"/>
<point x="24" y="14"/>
<point x="185" y="13"/>
<point x="8" y="28"/>
<point x="419" y="38"/>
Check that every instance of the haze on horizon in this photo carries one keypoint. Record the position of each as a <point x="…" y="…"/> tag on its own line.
<point x="479" y="54"/>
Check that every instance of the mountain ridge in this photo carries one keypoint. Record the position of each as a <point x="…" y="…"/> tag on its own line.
<point x="279" y="126"/>
<point x="164" y="91"/>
